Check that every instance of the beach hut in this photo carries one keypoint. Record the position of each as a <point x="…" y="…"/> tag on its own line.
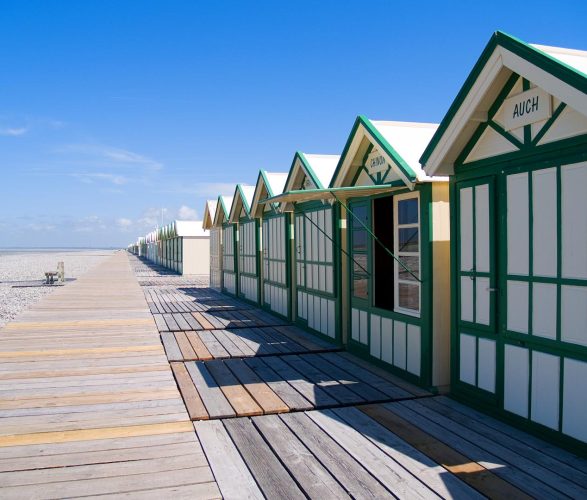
<point x="189" y="248"/>
<point x="215" y="244"/>
<point x="275" y="244"/>
<point x="182" y="246"/>
<point x="229" y="244"/>
<point x="514" y="143"/>
<point x="248" y="243"/>
<point x="394" y="250"/>
<point x="314" y="266"/>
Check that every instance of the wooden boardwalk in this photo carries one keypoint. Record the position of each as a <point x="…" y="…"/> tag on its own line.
<point x="88" y="402"/>
<point x="89" y="406"/>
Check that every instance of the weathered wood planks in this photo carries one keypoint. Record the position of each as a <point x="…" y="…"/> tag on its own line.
<point x="88" y="403"/>
<point x="274" y="384"/>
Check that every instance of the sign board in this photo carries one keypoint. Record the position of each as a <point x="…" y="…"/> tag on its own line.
<point x="526" y="108"/>
<point x="376" y="162"/>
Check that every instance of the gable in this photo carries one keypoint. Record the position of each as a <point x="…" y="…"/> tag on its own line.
<point x="558" y="73"/>
<point x="369" y="167"/>
<point x="522" y="116"/>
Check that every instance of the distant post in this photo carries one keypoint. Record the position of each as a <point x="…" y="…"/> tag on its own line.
<point x="61" y="272"/>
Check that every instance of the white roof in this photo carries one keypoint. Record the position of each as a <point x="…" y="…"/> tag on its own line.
<point x="577" y="59"/>
<point x="190" y="228"/>
<point x="212" y="204"/>
<point x="276" y="181"/>
<point x="408" y="139"/>
<point x="323" y="166"/>
<point x="248" y="193"/>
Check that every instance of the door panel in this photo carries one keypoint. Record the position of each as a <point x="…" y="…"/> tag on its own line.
<point x="476" y="286"/>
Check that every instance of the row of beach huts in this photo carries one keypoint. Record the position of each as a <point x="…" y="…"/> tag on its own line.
<point x="453" y="255"/>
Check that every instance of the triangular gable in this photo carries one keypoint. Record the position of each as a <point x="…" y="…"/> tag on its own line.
<point x="241" y="202"/>
<point x="209" y="212"/>
<point x="309" y="171"/>
<point x="222" y="210"/>
<point x="268" y="184"/>
<point x="382" y="153"/>
<point x="559" y="73"/>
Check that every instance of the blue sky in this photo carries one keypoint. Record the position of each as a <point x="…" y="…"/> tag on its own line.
<point x="115" y="113"/>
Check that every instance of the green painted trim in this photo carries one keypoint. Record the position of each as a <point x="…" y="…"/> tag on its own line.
<point x="300" y="210"/>
<point x="288" y="266"/>
<point x="548" y="124"/>
<point x="510" y="137"/>
<point x="535" y="56"/>
<point x="376" y="137"/>
<point x="542" y="154"/>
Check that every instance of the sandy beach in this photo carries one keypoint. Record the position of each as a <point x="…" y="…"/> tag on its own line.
<point x="22" y="275"/>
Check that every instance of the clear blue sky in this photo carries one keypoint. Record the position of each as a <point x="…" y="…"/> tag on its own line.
<point x="111" y="111"/>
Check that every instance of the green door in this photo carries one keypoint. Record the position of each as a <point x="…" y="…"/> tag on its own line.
<point x="474" y="333"/>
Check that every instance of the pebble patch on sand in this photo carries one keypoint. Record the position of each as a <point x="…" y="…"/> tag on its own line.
<point x="28" y="268"/>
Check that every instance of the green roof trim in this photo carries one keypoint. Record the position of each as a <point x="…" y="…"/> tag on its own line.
<point x="381" y="141"/>
<point x="239" y="191"/>
<point x="544" y="61"/>
<point x="304" y="161"/>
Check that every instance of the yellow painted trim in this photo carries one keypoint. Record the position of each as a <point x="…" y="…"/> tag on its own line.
<point x="67" y="352"/>
<point x="85" y="323"/>
<point x="94" y="434"/>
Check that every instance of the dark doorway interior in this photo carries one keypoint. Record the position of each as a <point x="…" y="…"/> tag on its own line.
<point x="383" y="262"/>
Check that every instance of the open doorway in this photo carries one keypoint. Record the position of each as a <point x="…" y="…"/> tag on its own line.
<point x="383" y="262"/>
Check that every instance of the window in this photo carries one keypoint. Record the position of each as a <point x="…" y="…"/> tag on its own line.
<point x="407" y="249"/>
<point x="359" y="248"/>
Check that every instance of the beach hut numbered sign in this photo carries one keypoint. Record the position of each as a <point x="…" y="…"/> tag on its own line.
<point x="515" y="145"/>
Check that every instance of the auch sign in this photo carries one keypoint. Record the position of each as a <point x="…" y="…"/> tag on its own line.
<point x="526" y="108"/>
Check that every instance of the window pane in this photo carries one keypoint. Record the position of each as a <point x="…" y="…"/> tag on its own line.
<point x="360" y="286"/>
<point x="360" y="213"/>
<point x="408" y="239"/>
<point x="359" y="240"/>
<point x="360" y="263"/>
<point x="409" y="297"/>
<point x="413" y="263"/>
<point x="407" y="211"/>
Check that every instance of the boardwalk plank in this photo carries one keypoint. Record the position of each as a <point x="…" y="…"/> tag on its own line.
<point x="472" y="473"/>
<point x="230" y="471"/>
<point x="418" y="464"/>
<point x="292" y="398"/>
<point x="214" y="400"/>
<point x="171" y="347"/>
<point x="187" y="351"/>
<point x="351" y="475"/>
<point x="308" y="472"/>
<point x="198" y="346"/>
<point x="191" y="397"/>
<point x="242" y="402"/>
<point x="314" y="394"/>
<point x="328" y="384"/>
<point x="263" y="395"/>
<point x="272" y="478"/>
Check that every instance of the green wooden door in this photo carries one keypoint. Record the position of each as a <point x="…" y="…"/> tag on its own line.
<point x="475" y="330"/>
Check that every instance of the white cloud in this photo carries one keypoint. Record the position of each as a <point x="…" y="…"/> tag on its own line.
<point x="123" y="223"/>
<point x="114" y="157"/>
<point x="88" y="178"/>
<point x="14" y="131"/>
<point x="187" y="213"/>
<point x="153" y="217"/>
<point x="89" y="224"/>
